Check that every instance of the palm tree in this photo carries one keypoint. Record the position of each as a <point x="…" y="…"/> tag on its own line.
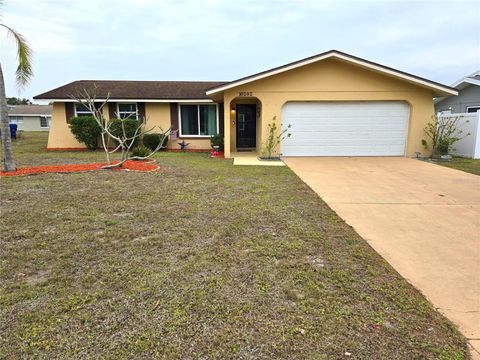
<point x="23" y="75"/>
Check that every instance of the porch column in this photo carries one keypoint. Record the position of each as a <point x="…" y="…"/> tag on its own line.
<point x="226" y="128"/>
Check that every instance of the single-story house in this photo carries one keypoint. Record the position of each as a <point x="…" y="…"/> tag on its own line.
<point x="30" y="117"/>
<point x="468" y="99"/>
<point x="337" y="105"/>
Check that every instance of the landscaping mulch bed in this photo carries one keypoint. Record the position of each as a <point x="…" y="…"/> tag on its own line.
<point x="67" y="168"/>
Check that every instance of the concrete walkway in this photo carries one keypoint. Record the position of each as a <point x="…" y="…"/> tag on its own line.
<point x="250" y="158"/>
<point x="424" y="219"/>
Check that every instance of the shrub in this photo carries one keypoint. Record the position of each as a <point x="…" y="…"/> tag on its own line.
<point x="442" y="132"/>
<point x="152" y="140"/>
<point x="217" y="140"/>
<point x="275" y="136"/>
<point x="86" y="130"/>
<point x="141" y="151"/>
<point x="130" y="126"/>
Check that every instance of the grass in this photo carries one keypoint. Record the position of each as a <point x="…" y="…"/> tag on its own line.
<point x="201" y="260"/>
<point x="464" y="164"/>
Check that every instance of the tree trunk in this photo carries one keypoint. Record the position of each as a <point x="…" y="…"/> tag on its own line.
<point x="8" y="162"/>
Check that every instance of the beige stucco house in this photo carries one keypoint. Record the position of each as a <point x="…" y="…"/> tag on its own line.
<point x="337" y="105"/>
<point x="30" y="117"/>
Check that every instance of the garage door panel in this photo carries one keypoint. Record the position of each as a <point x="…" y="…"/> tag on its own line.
<point x="316" y="127"/>
<point x="343" y="136"/>
<point x="345" y="128"/>
<point x="302" y="124"/>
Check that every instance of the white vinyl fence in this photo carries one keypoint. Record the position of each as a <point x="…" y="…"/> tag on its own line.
<point x="469" y="146"/>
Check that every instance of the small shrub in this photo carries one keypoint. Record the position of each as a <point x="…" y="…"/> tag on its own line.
<point x="152" y="141"/>
<point x="217" y="140"/>
<point x="130" y="126"/>
<point x="86" y="130"/>
<point x="275" y="136"/>
<point x="141" y="151"/>
<point x="442" y="132"/>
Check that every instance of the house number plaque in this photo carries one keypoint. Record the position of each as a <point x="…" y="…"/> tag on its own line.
<point x="245" y="93"/>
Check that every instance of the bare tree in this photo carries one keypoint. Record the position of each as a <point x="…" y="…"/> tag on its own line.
<point x="124" y="140"/>
<point x="23" y="74"/>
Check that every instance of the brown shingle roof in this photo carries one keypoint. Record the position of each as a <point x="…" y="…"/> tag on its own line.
<point x="148" y="90"/>
<point x="29" y="109"/>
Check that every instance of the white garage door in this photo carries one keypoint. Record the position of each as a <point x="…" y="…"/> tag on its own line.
<point x="345" y="128"/>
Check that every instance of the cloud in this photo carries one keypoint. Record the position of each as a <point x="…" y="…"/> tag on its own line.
<point x="51" y="37"/>
<point x="217" y="39"/>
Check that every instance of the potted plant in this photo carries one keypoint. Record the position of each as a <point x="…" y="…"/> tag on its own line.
<point x="217" y="143"/>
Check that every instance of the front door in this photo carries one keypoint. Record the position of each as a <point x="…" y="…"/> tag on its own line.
<point x="246" y="125"/>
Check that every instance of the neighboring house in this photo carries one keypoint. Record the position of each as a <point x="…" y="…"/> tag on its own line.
<point x="30" y="117"/>
<point x="337" y="104"/>
<point x="468" y="99"/>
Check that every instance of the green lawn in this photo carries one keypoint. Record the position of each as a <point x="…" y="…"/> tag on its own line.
<point x="468" y="165"/>
<point x="201" y="260"/>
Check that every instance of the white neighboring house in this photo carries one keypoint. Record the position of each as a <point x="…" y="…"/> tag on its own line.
<point x="466" y="106"/>
<point x="30" y="117"/>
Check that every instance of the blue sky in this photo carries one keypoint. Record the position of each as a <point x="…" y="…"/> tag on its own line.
<point x="228" y="39"/>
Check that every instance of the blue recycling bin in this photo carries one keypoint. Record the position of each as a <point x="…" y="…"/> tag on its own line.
<point x="13" y="131"/>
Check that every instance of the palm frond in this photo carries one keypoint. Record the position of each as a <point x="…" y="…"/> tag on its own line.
<point x="24" y="55"/>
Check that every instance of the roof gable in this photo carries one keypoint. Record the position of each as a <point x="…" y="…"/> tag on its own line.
<point x="472" y="79"/>
<point x="437" y="88"/>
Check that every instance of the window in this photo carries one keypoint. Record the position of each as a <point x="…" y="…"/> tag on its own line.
<point x="82" y="110"/>
<point x="44" y="122"/>
<point x="127" y="111"/>
<point x="16" y="119"/>
<point x="198" y="120"/>
<point x="473" y="109"/>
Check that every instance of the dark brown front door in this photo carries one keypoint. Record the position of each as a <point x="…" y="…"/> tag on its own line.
<point x="246" y="126"/>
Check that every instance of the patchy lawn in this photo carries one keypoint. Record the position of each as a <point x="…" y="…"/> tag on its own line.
<point x="201" y="260"/>
<point x="29" y="150"/>
<point x="468" y="165"/>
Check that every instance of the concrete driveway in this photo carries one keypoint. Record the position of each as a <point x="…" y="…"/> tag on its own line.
<point x="424" y="219"/>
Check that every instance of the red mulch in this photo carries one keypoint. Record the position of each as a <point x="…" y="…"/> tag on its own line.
<point x="130" y="165"/>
